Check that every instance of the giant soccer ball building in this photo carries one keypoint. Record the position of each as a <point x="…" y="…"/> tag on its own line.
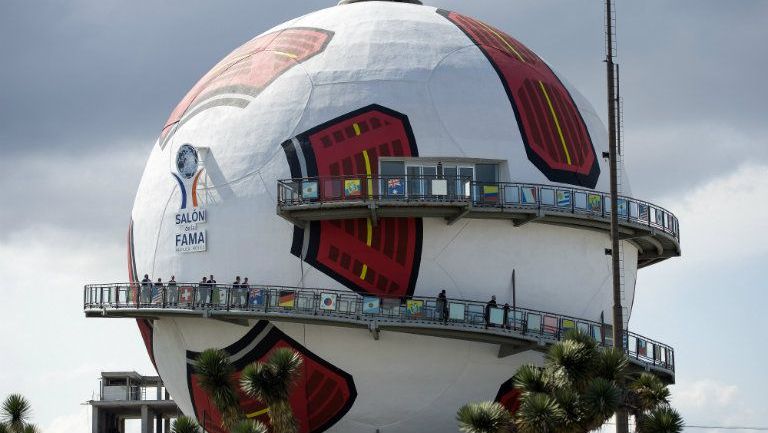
<point x="353" y="93"/>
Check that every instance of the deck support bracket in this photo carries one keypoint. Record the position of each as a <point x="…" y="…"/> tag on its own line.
<point x="374" y="215"/>
<point x="530" y="218"/>
<point x="373" y="328"/>
<point x="462" y="213"/>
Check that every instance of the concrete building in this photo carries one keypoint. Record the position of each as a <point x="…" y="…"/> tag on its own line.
<point x="128" y="395"/>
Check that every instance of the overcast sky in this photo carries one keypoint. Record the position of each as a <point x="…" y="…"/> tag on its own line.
<point x="85" y="86"/>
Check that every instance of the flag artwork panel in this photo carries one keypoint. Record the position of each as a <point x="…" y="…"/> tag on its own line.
<point x="395" y="186"/>
<point x="415" y="307"/>
<point x="328" y="301"/>
<point x="287" y="299"/>
<point x="352" y="188"/>
<point x="371" y="305"/>
<point x="309" y="190"/>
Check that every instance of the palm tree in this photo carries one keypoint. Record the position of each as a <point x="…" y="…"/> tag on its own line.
<point x="15" y="413"/>
<point x="581" y="386"/>
<point x="185" y="424"/>
<point x="272" y="382"/>
<point x="485" y="417"/>
<point x="215" y="371"/>
<point x="662" y="419"/>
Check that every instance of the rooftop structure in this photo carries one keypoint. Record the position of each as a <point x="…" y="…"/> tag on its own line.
<point x="129" y="395"/>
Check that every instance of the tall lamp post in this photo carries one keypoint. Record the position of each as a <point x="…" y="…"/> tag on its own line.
<point x="622" y="424"/>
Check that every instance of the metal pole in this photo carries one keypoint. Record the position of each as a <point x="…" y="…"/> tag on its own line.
<point x="622" y="423"/>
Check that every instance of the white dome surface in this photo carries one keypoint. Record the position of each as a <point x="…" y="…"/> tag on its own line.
<point x="423" y="74"/>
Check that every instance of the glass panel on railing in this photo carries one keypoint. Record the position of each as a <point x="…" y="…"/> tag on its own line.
<point x="597" y="332"/>
<point x="328" y="301"/>
<point x="622" y="206"/>
<point x="580" y="200"/>
<point x="633" y="210"/>
<point x="563" y="198"/>
<point x="595" y="203"/>
<point x="583" y="328"/>
<point x="632" y="343"/>
<point x="550" y="325"/>
<point x="496" y="316"/>
<point x="511" y="194"/>
<point x="353" y="189"/>
<point x="456" y="311"/>
<point x="489" y="194"/>
<point x="476" y="313"/>
<point x="644" y="214"/>
<point x="534" y="322"/>
<point x="309" y="190"/>
<point x="519" y="319"/>
<point x="371" y="305"/>
<point x="414" y="308"/>
<point x="642" y="347"/>
<point x="547" y="196"/>
<point x="331" y="189"/>
<point x="528" y="195"/>
<point x="305" y="302"/>
<point x="440" y="188"/>
<point x="567" y="325"/>
<point x="286" y="299"/>
<point x="343" y="306"/>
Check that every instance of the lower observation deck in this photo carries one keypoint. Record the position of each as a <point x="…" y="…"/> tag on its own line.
<point x="514" y="329"/>
<point x="652" y="229"/>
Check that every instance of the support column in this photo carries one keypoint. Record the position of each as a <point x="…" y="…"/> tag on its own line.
<point x="146" y="420"/>
<point x="158" y="423"/>
<point x="95" y="419"/>
<point x="167" y="427"/>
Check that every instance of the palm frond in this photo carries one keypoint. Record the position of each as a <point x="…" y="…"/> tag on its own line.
<point x="531" y="379"/>
<point x="15" y="412"/>
<point x="663" y="419"/>
<point x="286" y="364"/>
<point x="580" y="337"/>
<point x="649" y="392"/>
<point x="4" y="428"/>
<point x="538" y="413"/>
<point x="31" y="428"/>
<point x="272" y="380"/>
<point x="249" y="426"/>
<point x="572" y="362"/>
<point x="573" y="412"/>
<point x="612" y="365"/>
<point x="185" y="424"/>
<point x="484" y="417"/>
<point x="215" y="372"/>
<point x="600" y="400"/>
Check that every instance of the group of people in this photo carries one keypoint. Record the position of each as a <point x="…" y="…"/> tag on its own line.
<point x="443" y="312"/>
<point x="207" y="292"/>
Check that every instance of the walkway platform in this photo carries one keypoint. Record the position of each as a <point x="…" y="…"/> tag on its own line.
<point x="651" y="228"/>
<point x="515" y="329"/>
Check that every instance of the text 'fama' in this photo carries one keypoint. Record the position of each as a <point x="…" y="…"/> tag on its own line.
<point x="191" y="242"/>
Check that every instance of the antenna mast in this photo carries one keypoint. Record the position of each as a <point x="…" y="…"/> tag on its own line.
<point x="622" y="424"/>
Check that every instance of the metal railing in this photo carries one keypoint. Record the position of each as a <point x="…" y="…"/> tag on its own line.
<point x="350" y="306"/>
<point x="466" y="192"/>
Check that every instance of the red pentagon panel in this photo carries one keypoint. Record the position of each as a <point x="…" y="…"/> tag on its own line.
<point x="250" y="69"/>
<point x="321" y="397"/>
<point x="509" y="396"/>
<point x="381" y="260"/>
<point x="556" y="138"/>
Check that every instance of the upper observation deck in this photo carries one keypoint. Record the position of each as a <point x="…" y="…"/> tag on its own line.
<point x="513" y="328"/>
<point x="652" y="229"/>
